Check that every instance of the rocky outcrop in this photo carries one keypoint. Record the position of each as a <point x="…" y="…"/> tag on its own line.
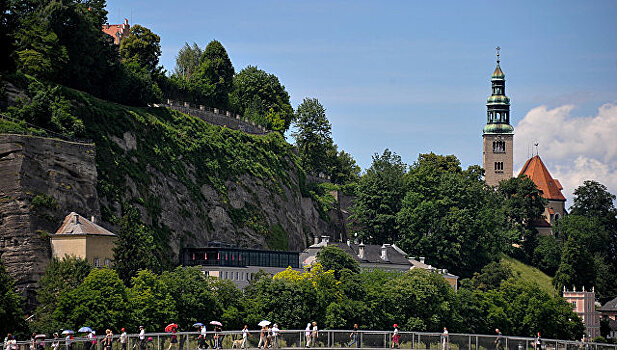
<point x="41" y="180"/>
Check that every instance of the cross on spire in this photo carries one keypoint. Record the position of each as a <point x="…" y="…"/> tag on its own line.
<point x="498" y="48"/>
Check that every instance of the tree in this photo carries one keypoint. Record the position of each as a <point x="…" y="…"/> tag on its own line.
<point x="11" y="313"/>
<point x="193" y="297"/>
<point x="313" y="135"/>
<point x="151" y="302"/>
<point x="547" y="254"/>
<point x="61" y="276"/>
<point x="40" y="53"/>
<point x="450" y="216"/>
<point x="134" y="249"/>
<point x="577" y="261"/>
<point x="491" y="276"/>
<point x="523" y="206"/>
<point x="378" y="199"/>
<point x="100" y="302"/>
<point x="215" y="69"/>
<point x="187" y="61"/>
<point x="255" y="92"/>
<point x="336" y="259"/>
<point x="141" y="46"/>
<point x="344" y="169"/>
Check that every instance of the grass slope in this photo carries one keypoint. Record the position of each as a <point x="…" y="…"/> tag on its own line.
<point x="530" y="274"/>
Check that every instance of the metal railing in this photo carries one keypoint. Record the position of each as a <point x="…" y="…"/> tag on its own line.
<point x="326" y="339"/>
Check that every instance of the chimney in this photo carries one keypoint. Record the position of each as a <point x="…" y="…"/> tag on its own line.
<point x="422" y="259"/>
<point x="92" y="219"/>
<point x="348" y="243"/>
<point x="384" y="252"/>
<point x="325" y="240"/>
<point x="361" y="251"/>
<point x="315" y="240"/>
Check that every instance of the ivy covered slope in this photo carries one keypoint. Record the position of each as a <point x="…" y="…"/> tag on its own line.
<point x="194" y="182"/>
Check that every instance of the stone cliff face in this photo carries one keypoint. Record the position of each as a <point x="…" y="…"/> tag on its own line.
<point x="41" y="180"/>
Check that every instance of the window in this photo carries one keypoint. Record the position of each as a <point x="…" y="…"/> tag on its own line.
<point x="97" y="262"/>
<point x="499" y="147"/>
<point x="107" y="262"/>
<point x="499" y="167"/>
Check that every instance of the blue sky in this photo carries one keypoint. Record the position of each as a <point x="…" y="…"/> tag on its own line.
<point x="412" y="76"/>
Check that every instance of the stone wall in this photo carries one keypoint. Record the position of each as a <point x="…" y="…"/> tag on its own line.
<point x="42" y="180"/>
<point x="217" y="117"/>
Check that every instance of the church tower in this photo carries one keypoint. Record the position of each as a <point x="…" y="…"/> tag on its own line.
<point x="498" y="134"/>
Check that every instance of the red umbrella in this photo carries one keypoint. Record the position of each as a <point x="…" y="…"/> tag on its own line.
<point x="170" y="327"/>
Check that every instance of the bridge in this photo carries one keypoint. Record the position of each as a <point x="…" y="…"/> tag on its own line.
<point x="329" y="339"/>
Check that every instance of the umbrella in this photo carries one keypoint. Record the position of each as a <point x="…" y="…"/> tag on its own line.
<point x="264" y="323"/>
<point x="198" y="324"/>
<point x="216" y="323"/>
<point x="170" y="327"/>
<point x="85" y="330"/>
<point x="40" y="336"/>
<point x="67" y="331"/>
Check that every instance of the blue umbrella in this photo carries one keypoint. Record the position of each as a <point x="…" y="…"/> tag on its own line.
<point x="85" y="330"/>
<point x="198" y="324"/>
<point x="67" y="331"/>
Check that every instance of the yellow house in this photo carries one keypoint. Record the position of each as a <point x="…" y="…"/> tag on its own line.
<point x="80" y="237"/>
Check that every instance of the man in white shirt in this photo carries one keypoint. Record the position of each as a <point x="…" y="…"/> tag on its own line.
<point x="123" y="338"/>
<point x="245" y="335"/>
<point x="275" y="335"/>
<point x="142" y="338"/>
<point x="314" y="334"/>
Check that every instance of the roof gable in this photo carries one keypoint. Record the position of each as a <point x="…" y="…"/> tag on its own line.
<point x="535" y="170"/>
<point x="75" y="224"/>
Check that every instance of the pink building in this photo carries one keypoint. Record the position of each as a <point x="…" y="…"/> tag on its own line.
<point x="584" y="305"/>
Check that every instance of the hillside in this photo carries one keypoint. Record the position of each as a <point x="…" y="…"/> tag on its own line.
<point x="191" y="181"/>
<point x="530" y="274"/>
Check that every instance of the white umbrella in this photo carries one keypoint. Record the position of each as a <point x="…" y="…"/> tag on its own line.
<point x="216" y="323"/>
<point x="264" y="323"/>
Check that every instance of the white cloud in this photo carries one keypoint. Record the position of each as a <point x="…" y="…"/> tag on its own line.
<point x="573" y="148"/>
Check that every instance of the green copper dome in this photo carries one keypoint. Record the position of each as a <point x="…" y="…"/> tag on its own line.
<point x="498" y="99"/>
<point x="498" y="74"/>
<point x="498" y="128"/>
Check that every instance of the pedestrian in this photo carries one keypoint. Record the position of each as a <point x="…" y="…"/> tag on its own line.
<point x="55" y="343"/>
<point x="94" y="340"/>
<point x="307" y="334"/>
<point x="108" y="341"/>
<point x="142" y="338"/>
<point x="201" y="340"/>
<point x="275" y="335"/>
<point x="5" y="344"/>
<point x="68" y="342"/>
<point x="33" y="341"/>
<point x="262" y="337"/>
<point x="314" y="334"/>
<point x="353" y="336"/>
<point x="173" y="341"/>
<point x="245" y="335"/>
<point x="395" y="337"/>
<point x="217" y="337"/>
<point x="88" y="342"/>
<point x="445" y="339"/>
<point x="537" y="343"/>
<point x="123" y="339"/>
<point x="499" y="340"/>
<point x="268" y="337"/>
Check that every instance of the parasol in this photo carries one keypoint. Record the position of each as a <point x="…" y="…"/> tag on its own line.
<point x="264" y="323"/>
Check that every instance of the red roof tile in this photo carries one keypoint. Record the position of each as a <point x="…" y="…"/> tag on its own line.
<point x="535" y="170"/>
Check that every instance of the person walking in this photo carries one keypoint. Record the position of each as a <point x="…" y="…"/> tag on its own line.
<point x="88" y="342"/>
<point x="395" y="337"/>
<point x="262" y="338"/>
<point x="537" y="342"/>
<point x="307" y="334"/>
<point x="217" y="337"/>
<point x="123" y="339"/>
<point x="173" y="341"/>
<point x="201" y="340"/>
<point x="68" y="342"/>
<point x="445" y="339"/>
<point x="55" y="343"/>
<point x="499" y="340"/>
<point x="353" y="336"/>
<point x="314" y="334"/>
<point x="142" y="338"/>
<point x="108" y="341"/>
<point x="275" y="335"/>
<point x="245" y="336"/>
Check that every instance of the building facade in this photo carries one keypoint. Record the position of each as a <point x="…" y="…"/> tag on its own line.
<point x="236" y="264"/>
<point x="82" y="238"/>
<point x="550" y="189"/>
<point x="498" y="134"/>
<point x="584" y="305"/>
<point x="117" y="31"/>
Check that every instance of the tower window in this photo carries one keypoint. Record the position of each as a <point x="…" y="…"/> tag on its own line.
<point x="499" y="147"/>
<point x="499" y="167"/>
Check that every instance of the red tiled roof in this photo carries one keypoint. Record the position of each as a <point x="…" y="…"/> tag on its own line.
<point x="535" y="170"/>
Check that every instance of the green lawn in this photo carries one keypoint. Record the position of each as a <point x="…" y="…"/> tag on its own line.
<point x="531" y="274"/>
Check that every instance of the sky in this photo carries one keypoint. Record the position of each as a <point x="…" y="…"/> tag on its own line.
<point x="413" y="76"/>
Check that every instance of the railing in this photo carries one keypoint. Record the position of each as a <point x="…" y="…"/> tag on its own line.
<point x="216" y="116"/>
<point x="326" y="339"/>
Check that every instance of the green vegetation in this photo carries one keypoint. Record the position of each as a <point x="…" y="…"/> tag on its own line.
<point x="11" y="320"/>
<point x="530" y="274"/>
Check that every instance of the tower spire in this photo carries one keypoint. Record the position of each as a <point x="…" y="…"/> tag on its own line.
<point x="498" y="49"/>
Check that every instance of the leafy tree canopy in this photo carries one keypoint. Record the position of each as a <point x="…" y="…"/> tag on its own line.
<point x="187" y="61"/>
<point x="215" y="69"/>
<point x="11" y="313"/>
<point x="143" y="47"/>
<point x="336" y="259"/>
<point x="313" y="135"/>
